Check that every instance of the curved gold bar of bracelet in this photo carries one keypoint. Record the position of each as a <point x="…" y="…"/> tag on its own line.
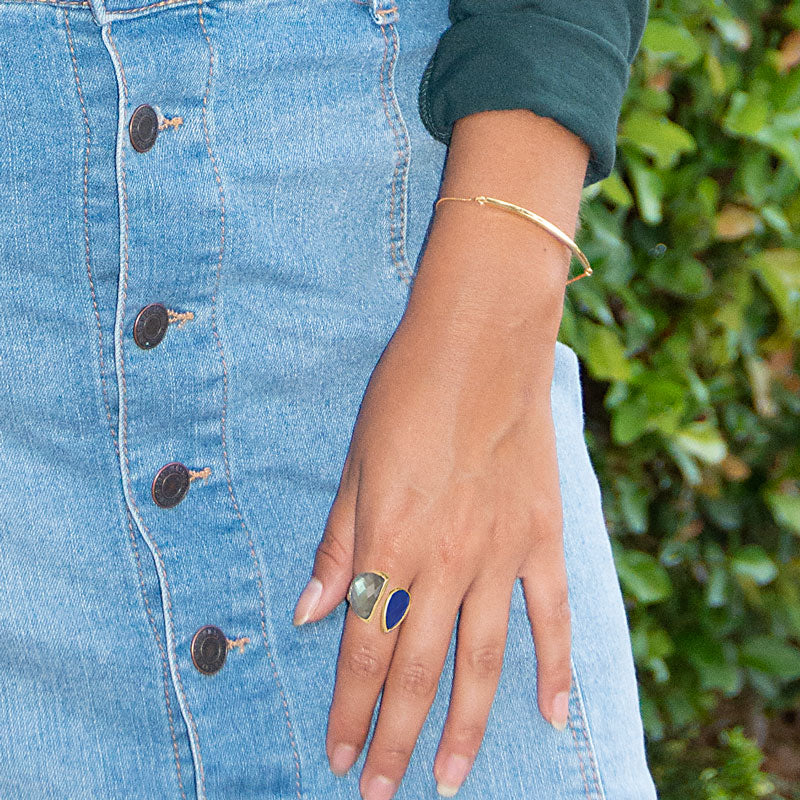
<point x="530" y="215"/>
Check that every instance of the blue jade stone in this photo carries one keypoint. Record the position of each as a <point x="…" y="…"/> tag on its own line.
<point x="396" y="608"/>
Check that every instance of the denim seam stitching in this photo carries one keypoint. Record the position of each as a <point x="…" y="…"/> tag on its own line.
<point x="87" y="246"/>
<point x="590" y="752"/>
<point x="148" y="7"/>
<point x="403" y="157"/>
<point x="87" y="150"/>
<point x="50" y="2"/>
<point x="578" y="749"/>
<point x="406" y="146"/>
<point x="256" y="562"/>
<point x="53" y="2"/>
<point x="157" y="550"/>
<point x="588" y="749"/>
<point x="121" y="68"/>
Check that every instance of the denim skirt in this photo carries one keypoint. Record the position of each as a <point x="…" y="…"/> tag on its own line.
<point x="210" y="218"/>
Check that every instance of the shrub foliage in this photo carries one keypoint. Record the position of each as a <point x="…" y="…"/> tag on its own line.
<point x="688" y="332"/>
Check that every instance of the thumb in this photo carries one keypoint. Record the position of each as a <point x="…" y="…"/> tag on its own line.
<point x="333" y="562"/>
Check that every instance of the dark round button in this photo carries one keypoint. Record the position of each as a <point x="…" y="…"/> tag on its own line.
<point x="170" y="484"/>
<point x="143" y="128"/>
<point x="150" y="325"/>
<point x="209" y="648"/>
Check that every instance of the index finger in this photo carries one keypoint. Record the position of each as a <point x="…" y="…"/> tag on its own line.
<point x="364" y="658"/>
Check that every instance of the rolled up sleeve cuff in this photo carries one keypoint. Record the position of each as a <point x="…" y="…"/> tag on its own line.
<point x="523" y="59"/>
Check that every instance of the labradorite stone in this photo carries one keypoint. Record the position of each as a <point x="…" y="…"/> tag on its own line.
<point x="364" y="593"/>
<point x="396" y="607"/>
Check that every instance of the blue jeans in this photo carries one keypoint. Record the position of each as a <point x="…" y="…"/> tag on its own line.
<point x="190" y="309"/>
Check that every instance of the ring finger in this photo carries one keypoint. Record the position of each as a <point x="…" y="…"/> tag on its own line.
<point x="482" y="636"/>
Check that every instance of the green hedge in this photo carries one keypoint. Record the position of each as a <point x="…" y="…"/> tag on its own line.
<point x="688" y="330"/>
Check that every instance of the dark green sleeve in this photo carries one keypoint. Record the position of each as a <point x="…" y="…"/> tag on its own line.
<point x="565" y="59"/>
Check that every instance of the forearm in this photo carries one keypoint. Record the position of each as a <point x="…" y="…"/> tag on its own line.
<point x="486" y="268"/>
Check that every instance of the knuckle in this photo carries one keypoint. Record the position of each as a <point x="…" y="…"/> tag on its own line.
<point x="486" y="661"/>
<point x="333" y="550"/>
<point x="561" y="670"/>
<point x="546" y="516"/>
<point x="497" y="533"/>
<point x="363" y="663"/>
<point x="397" y="754"/>
<point x="416" y="679"/>
<point x="465" y="736"/>
<point x="451" y="562"/>
<point x="400" y="508"/>
<point x="382" y="537"/>
<point x="453" y="555"/>
<point x="557" y="611"/>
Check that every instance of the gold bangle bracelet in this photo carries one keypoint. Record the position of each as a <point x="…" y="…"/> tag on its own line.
<point x="529" y="215"/>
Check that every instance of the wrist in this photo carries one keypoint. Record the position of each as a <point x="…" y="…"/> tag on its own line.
<point x="495" y="269"/>
<point x="520" y="157"/>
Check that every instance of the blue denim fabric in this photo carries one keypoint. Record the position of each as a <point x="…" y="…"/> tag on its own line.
<point x="279" y="216"/>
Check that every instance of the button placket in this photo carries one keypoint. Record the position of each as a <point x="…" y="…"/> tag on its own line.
<point x="209" y="646"/>
<point x="171" y="482"/>
<point x="174" y="400"/>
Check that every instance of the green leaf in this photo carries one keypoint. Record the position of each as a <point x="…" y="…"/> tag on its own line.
<point x="776" y="219"/>
<point x="629" y="420"/>
<point x="648" y="187"/>
<point x="752" y="561"/>
<point x="715" y="663"/>
<point x="725" y="677"/>
<point x="702" y="440"/>
<point x="670" y="40"/>
<point x="686" y="277"/>
<point x="716" y="74"/>
<point x="734" y="31"/>
<point x="634" y="501"/>
<point x="657" y="137"/>
<point x="772" y="656"/>
<point x="614" y="188"/>
<point x="642" y="576"/>
<point x="792" y="14"/>
<point x="747" y="114"/>
<point x="785" y="508"/>
<point x="606" y="354"/>
<point x="779" y="271"/>
<point x="651" y="719"/>
<point x="785" y="144"/>
<point x="686" y="464"/>
<point x="717" y="587"/>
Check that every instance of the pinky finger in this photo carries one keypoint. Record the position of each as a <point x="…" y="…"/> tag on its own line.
<point x="544" y="585"/>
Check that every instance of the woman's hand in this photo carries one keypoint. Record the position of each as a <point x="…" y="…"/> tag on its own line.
<point x="450" y="487"/>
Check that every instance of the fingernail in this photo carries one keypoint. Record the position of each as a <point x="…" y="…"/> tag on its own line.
<point x="307" y="601"/>
<point x="560" y="711"/>
<point x="342" y="759"/>
<point x="453" y="773"/>
<point x="380" y="788"/>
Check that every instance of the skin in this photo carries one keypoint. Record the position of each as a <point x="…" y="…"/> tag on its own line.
<point x="450" y="485"/>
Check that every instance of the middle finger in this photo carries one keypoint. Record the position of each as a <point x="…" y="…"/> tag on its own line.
<point x="410" y="686"/>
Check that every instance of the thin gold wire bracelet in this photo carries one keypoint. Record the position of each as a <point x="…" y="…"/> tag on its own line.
<point x="535" y="218"/>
